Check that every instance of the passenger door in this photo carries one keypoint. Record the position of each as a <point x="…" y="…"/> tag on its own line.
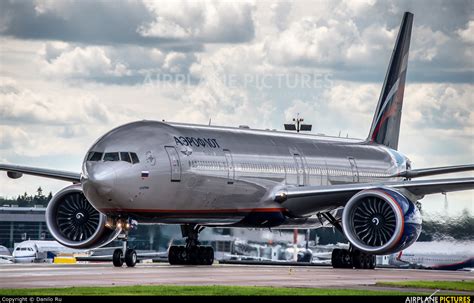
<point x="175" y="164"/>
<point x="355" y="173"/>
<point x="230" y="166"/>
<point x="300" y="172"/>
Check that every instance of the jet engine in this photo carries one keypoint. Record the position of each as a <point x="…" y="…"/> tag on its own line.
<point x="381" y="221"/>
<point x="75" y="223"/>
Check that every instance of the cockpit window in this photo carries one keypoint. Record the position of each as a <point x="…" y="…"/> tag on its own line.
<point x="94" y="156"/>
<point x="124" y="156"/>
<point x="115" y="156"/>
<point x="134" y="158"/>
<point x="111" y="157"/>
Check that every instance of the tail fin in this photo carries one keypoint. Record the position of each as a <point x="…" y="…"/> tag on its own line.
<point x="386" y="124"/>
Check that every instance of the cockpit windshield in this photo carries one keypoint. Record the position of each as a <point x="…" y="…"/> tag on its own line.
<point x="124" y="156"/>
<point x="113" y="156"/>
<point x="94" y="156"/>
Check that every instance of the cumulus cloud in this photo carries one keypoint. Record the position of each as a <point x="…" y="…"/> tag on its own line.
<point x="206" y="21"/>
<point x="467" y="34"/>
<point x="169" y="24"/>
<point x="89" y="61"/>
<point x="217" y="98"/>
<point x="20" y="105"/>
<point x="351" y="105"/>
<point x="427" y="43"/>
<point x="280" y="14"/>
<point x="308" y="41"/>
<point x="440" y="106"/>
<point x="111" y="65"/>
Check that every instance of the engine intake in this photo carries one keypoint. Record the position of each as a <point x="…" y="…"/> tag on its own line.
<point x="75" y="223"/>
<point x="381" y="221"/>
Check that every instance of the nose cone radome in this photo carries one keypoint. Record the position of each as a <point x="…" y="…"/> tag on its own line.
<point x="98" y="181"/>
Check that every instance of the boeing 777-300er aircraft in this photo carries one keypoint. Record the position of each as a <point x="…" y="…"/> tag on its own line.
<point x="203" y="176"/>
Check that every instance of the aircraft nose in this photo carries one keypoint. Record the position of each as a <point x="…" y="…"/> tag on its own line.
<point x="99" y="178"/>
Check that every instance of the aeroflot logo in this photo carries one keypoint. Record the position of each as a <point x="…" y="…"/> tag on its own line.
<point x="198" y="142"/>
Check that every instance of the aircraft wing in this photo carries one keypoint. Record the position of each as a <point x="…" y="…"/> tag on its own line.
<point x="424" y="172"/>
<point x="16" y="171"/>
<point x="308" y="199"/>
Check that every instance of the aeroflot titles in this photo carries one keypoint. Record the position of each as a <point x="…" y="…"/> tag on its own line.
<point x="198" y="142"/>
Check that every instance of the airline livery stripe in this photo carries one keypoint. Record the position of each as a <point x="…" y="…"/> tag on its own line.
<point x="387" y="100"/>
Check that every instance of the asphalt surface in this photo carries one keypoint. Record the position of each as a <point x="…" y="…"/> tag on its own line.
<point x="67" y="275"/>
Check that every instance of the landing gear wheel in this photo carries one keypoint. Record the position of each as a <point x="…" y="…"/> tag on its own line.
<point x="195" y="255"/>
<point x="209" y="255"/>
<point x="358" y="260"/>
<point x="366" y="263"/>
<point x="200" y="255"/>
<point x="130" y="257"/>
<point x="182" y="255"/>
<point x="372" y="261"/>
<point x="173" y="255"/>
<point x="336" y="258"/>
<point x="117" y="258"/>
<point x="346" y="259"/>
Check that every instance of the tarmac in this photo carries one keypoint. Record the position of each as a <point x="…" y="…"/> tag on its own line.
<point x="104" y="274"/>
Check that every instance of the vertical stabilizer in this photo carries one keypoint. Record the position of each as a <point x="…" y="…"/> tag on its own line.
<point x="385" y="127"/>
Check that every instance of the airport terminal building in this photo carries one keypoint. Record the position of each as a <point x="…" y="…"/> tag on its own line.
<point x="19" y="224"/>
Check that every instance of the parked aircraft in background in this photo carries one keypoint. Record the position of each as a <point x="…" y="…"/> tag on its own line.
<point x="5" y="255"/>
<point x="39" y="251"/>
<point x="199" y="176"/>
<point x="444" y="255"/>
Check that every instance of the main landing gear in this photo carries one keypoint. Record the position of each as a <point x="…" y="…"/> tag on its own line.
<point x="192" y="253"/>
<point x="130" y="256"/>
<point x="348" y="258"/>
<point x="352" y="258"/>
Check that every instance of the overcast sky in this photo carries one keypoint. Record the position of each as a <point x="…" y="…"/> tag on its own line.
<point x="71" y="70"/>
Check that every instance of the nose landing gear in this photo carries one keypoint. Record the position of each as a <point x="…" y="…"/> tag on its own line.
<point x="193" y="253"/>
<point x="130" y="256"/>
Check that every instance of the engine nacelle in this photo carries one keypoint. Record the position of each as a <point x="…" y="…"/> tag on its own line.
<point x="74" y="223"/>
<point x="381" y="221"/>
